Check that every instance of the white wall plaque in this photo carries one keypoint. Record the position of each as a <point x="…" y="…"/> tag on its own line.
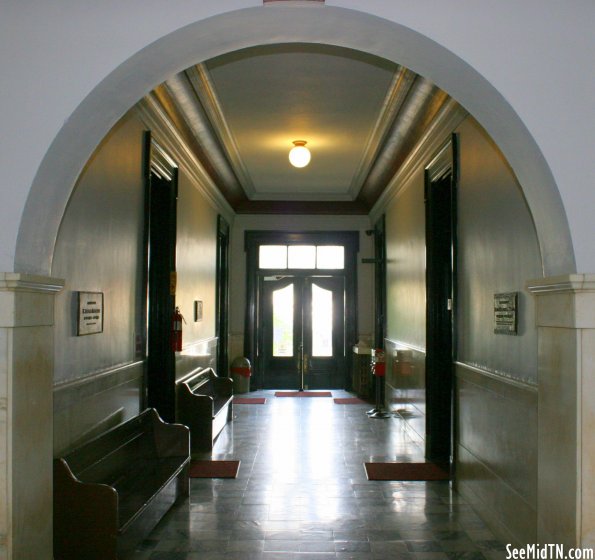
<point x="90" y="313"/>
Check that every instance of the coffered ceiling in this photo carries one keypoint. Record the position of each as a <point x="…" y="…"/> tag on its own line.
<point x="360" y="116"/>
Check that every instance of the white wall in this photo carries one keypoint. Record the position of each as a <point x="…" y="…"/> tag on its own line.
<point x="497" y="61"/>
<point x="518" y="47"/>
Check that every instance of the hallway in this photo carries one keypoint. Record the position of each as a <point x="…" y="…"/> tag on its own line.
<point x="302" y="492"/>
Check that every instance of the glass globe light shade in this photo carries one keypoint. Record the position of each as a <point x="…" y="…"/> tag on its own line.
<point x="299" y="155"/>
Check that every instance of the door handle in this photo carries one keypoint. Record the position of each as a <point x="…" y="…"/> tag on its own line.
<point x="300" y="359"/>
<point x="306" y="357"/>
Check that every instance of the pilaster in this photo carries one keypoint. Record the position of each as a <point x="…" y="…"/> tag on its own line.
<point x="565" y="315"/>
<point x="26" y="380"/>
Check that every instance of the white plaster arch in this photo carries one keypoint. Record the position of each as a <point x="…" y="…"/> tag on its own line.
<point x="126" y="84"/>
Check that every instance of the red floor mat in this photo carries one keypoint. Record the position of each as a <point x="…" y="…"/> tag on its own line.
<point x="303" y="394"/>
<point x="249" y="400"/>
<point x="214" y="469"/>
<point x="405" y="471"/>
<point x="350" y="400"/>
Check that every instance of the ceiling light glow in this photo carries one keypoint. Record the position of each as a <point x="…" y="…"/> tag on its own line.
<point x="299" y="155"/>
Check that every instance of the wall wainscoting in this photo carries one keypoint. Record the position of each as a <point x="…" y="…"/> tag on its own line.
<point x="405" y="385"/>
<point x="199" y="354"/>
<point x="496" y="450"/>
<point x="495" y="437"/>
<point x="88" y="406"/>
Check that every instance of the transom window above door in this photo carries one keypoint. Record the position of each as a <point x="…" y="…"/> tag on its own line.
<point x="305" y="257"/>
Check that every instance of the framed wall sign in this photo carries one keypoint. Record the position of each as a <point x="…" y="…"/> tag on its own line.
<point x="90" y="313"/>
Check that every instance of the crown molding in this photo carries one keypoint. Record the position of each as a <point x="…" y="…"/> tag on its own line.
<point x="207" y="94"/>
<point x="155" y="118"/>
<point x="446" y="121"/>
<point x="392" y="104"/>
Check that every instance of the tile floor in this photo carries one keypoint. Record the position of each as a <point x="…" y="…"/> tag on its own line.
<point x="302" y="493"/>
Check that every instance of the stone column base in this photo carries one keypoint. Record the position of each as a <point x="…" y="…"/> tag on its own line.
<point x="26" y="382"/>
<point x="565" y="315"/>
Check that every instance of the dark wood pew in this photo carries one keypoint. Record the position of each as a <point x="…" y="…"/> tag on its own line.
<point x="111" y="492"/>
<point x="204" y="404"/>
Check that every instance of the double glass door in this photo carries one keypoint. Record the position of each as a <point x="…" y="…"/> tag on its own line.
<point x="302" y="331"/>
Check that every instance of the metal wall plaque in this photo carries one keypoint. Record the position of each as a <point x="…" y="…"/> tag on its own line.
<point x="90" y="313"/>
<point x="505" y="313"/>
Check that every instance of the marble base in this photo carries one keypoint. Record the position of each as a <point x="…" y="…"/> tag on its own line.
<point x="565" y="309"/>
<point x="26" y="433"/>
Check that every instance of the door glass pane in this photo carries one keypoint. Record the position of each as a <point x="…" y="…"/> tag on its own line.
<point x="330" y="256"/>
<point x="322" y="321"/>
<point x="272" y="256"/>
<point x="283" y="322"/>
<point x="302" y="256"/>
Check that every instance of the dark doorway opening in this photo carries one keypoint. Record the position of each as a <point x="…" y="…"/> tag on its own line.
<point x="161" y="192"/>
<point x="380" y="282"/>
<point x="222" y="297"/>
<point x="440" y="204"/>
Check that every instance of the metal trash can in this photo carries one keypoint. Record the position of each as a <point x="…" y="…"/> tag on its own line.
<point x="241" y="371"/>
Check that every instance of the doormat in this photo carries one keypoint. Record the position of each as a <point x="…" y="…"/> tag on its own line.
<point x="303" y="394"/>
<point x="249" y="400"/>
<point x="405" y="471"/>
<point x="214" y="469"/>
<point x="350" y="400"/>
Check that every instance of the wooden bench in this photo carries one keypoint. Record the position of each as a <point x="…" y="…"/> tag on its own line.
<point x="204" y="404"/>
<point x="111" y="492"/>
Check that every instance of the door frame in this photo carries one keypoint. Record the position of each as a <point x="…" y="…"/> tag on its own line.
<point x="441" y="292"/>
<point x="379" y="233"/>
<point x="253" y="240"/>
<point x="222" y="297"/>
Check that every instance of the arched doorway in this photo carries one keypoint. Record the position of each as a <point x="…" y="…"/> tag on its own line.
<point x="90" y="122"/>
<point x="201" y="40"/>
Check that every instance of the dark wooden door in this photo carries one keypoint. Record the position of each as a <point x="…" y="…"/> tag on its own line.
<point x="440" y="282"/>
<point x="380" y="282"/>
<point x="222" y="296"/>
<point x="302" y="326"/>
<point x="162" y="214"/>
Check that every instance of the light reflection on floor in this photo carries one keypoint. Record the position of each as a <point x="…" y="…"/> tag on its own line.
<point x="302" y="493"/>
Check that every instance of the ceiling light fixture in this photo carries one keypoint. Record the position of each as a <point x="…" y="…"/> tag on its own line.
<point x="299" y="155"/>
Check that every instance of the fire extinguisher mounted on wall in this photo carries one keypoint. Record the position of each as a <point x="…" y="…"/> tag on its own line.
<point x="176" y="330"/>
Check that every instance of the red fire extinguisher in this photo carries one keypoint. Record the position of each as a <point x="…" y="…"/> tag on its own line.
<point x="176" y="330"/>
<point x="379" y="363"/>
